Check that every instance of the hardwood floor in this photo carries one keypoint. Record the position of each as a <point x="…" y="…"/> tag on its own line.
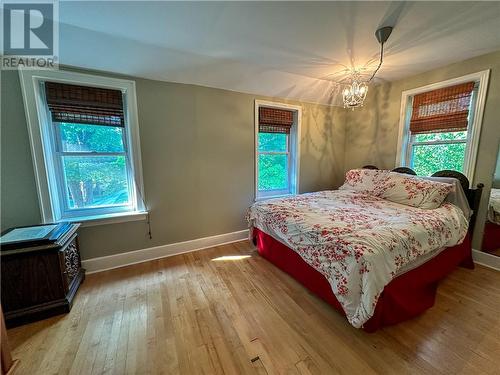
<point x="194" y="314"/>
<point x="495" y="252"/>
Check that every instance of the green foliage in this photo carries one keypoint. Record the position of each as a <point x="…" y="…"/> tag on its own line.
<point x="88" y="138"/>
<point x="273" y="168"/>
<point x="428" y="159"/>
<point x="273" y="172"/>
<point x="94" y="180"/>
<point x="447" y="136"/>
<point x="273" y="142"/>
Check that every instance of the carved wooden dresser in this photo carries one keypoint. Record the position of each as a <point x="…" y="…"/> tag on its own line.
<point x="41" y="281"/>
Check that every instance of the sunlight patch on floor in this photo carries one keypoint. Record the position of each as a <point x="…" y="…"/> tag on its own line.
<point x="230" y="257"/>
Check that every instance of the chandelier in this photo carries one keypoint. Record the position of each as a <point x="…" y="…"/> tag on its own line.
<point x="354" y="93"/>
<point x="356" y="87"/>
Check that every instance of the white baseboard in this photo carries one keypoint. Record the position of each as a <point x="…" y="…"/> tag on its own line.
<point x="485" y="259"/>
<point x="138" y="256"/>
<point x="109" y="262"/>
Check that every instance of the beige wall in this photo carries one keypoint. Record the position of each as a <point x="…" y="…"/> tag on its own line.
<point x="372" y="132"/>
<point x="198" y="161"/>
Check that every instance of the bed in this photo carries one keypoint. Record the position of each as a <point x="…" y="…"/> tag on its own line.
<point x="491" y="238"/>
<point x="494" y="206"/>
<point x="376" y="261"/>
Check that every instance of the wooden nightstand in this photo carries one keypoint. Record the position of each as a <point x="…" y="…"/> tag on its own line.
<point x="40" y="280"/>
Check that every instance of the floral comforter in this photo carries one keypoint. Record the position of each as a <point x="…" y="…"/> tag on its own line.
<point x="494" y="206"/>
<point x="357" y="241"/>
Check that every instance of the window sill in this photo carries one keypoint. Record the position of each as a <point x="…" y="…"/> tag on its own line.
<point x="122" y="217"/>
<point x="258" y="199"/>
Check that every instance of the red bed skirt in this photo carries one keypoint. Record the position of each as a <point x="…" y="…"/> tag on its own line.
<point x="406" y="296"/>
<point x="491" y="238"/>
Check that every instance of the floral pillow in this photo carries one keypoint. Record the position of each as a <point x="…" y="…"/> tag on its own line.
<point x="368" y="181"/>
<point x="414" y="191"/>
<point x="397" y="187"/>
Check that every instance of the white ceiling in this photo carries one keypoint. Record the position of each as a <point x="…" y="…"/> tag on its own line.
<point x="283" y="49"/>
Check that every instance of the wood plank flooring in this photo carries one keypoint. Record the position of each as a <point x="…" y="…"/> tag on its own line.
<point x="495" y="252"/>
<point x="193" y="314"/>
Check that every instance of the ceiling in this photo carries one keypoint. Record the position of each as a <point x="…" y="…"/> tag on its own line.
<point x="282" y="49"/>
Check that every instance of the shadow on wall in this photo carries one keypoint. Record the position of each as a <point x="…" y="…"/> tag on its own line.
<point x="370" y="134"/>
<point x="386" y="132"/>
<point x="321" y="161"/>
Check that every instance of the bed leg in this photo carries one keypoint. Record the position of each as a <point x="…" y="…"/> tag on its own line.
<point x="468" y="263"/>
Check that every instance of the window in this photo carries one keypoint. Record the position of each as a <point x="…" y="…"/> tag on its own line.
<point x="274" y="162"/>
<point x="276" y="137"/>
<point x="441" y="124"/>
<point x="93" y="165"/>
<point x="85" y="146"/>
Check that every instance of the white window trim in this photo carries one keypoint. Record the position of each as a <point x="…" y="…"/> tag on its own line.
<point x="36" y="116"/>
<point x="475" y="128"/>
<point x="294" y="144"/>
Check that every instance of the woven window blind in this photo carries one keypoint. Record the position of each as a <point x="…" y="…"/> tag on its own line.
<point x="442" y="110"/>
<point x="84" y="105"/>
<point x="275" y="120"/>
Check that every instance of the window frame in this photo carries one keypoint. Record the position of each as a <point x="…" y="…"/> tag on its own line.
<point x="293" y="150"/>
<point x="473" y="129"/>
<point x="43" y="137"/>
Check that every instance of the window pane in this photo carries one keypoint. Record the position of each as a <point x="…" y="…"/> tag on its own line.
<point x="427" y="159"/>
<point x="91" y="138"/>
<point x="273" y="172"/>
<point x="448" y="136"/>
<point x="273" y="141"/>
<point x="95" y="181"/>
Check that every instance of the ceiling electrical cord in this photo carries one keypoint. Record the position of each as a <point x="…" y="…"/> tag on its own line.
<point x="380" y="62"/>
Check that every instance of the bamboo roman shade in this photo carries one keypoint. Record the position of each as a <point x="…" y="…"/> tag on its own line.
<point x="442" y="110"/>
<point x="275" y="120"/>
<point x="84" y="105"/>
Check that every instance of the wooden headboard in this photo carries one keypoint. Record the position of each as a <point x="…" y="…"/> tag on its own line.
<point x="473" y="194"/>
